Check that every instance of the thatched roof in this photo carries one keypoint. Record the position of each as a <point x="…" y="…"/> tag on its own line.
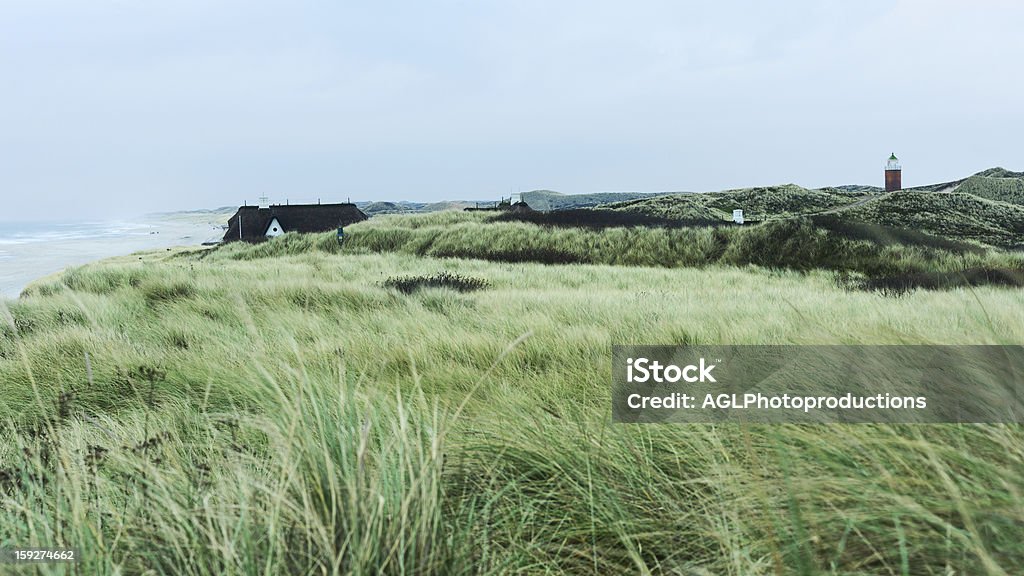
<point x="293" y="218"/>
<point x="521" y="207"/>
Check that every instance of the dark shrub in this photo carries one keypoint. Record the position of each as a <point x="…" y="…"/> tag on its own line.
<point x="899" y="284"/>
<point x="890" y="235"/>
<point x="409" y="284"/>
<point x="540" y="255"/>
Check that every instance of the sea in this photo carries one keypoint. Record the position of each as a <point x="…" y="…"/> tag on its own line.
<point x="15" y="233"/>
<point x="32" y="250"/>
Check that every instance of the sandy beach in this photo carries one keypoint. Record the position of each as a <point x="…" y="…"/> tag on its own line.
<point x="28" y="257"/>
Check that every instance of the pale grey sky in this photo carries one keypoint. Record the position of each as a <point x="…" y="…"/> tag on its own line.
<point x="112" y="108"/>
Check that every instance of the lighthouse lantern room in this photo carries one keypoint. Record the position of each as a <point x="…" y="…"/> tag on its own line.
<point x="893" y="174"/>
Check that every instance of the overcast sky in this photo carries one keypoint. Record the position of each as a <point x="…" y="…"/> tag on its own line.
<point x="109" y="109"/>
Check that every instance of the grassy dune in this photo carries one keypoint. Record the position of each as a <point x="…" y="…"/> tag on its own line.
<point x="799" y="243"/>
<point x="954" y="215"/>
<point x="1000" y="185"/>
<point x="986" y="207"/>
<point x="756" y="203"/>
<point x="279" y="409"/>
<point x="550" y="200"/>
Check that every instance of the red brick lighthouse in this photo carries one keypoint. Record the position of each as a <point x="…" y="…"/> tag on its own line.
<point x="893" y="172"/>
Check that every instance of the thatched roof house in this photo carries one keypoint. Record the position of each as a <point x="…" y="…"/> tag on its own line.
<point x="255" y="223"/>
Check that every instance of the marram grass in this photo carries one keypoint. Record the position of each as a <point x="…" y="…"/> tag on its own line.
<point x="278" y="409"/>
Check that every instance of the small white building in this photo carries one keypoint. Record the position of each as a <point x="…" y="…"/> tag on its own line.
<point x="737" y="216"/>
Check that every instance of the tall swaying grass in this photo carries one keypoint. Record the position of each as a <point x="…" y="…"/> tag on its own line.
<point x="799" y="244"/>
<point x="278" y="409"/>
<point x="322" y="479"/>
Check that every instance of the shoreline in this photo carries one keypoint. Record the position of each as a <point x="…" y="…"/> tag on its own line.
<point x="24" y="262"/>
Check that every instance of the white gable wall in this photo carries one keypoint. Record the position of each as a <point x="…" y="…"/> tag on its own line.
<point x="274" y="229"/>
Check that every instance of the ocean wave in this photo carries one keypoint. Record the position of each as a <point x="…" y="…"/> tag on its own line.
<point x="21" y="233"/>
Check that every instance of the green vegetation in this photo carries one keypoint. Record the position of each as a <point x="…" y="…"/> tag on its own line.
<point x="987" y="207"/>
<point x="756" y="203"/>
<point x="549" y="200"/>
<point x="279" y="408"/>
<point x="410" y="284"/>
<point x="857" y="189"/>
<point x="1000" y="172"/>
<point x="431" y="396"/>
<point x="901" y="284"/>
<point x="374" y="208"/>
<point x="799" y="244"/>
<point x="952" y="215"/>
<point x="1001" y="188"/>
